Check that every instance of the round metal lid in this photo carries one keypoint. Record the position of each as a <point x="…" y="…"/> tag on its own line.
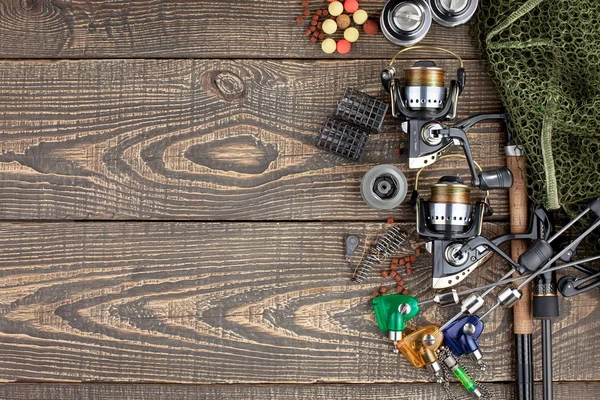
<point x="454" y="6"/>
<point x="450" y="13"/>
<point x="408" y="16"/>
<point x="405" y="22"/>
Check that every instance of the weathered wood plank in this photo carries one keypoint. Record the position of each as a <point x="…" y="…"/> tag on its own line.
<point x="202" y="140"/>
<point x="179" y="28"/>
<point x="419" y="391"/>
<point x="224" y="303"/>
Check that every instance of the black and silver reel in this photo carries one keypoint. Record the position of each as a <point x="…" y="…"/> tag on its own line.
<point x="423" y="103"/>
<point x="447" y="220"/>
<point x="406" y="22"/>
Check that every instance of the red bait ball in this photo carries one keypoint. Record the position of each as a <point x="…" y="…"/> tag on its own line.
<point x="343" y="46"/>
<point x="370" y="27"/>
<point x="350" y="6"/>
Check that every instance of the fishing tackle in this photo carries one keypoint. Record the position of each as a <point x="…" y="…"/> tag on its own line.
<point x="392" y="312"/>
<point x="448" y="220"/>
<point x="406" y="22"/>
<point x="352" y="243"/>
<point x="423" y="104"/>
<point x="569" y="286"/>
<point x="384" y="187"/>
<point x="384" y="247"/>
<point x="541" y="256"/>
<point x="461" y="374"/>
<point x="462" y="337"/>
<point x="423" y="349"/>
<point x="420" y="349"/>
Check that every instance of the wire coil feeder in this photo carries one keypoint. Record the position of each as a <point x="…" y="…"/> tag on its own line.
<point x="383" y="247"/>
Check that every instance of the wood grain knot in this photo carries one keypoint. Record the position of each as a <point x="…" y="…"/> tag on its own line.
<point x="229" y="85"/>
<point x="243" y="154"/>
<point x="29" y="5"/>
<point x="31" y="22"/>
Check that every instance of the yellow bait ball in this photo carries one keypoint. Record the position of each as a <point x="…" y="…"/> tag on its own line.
<point x="329" y="26"/>
<point x="360" y="17"/>
<point x="351" y="35"/>
<point x="336" y="8"/>
<point x="328" y="46"/>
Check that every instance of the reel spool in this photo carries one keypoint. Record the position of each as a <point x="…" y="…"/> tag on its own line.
<point x="449" y="213"/>
<point x="406" y="22"/>
<point x="384" y="187"/>
<point x="451" y="13"/>
<point x="424" y="86"/>
<point x="449" y="207"/>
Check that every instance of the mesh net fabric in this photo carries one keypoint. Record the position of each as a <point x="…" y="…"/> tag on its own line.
<point x="544" y="56"/>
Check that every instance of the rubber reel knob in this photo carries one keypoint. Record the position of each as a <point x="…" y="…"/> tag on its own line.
<point x="500" y="178"/>
<point x="545" y="307"/>
<point x="536" y="255"/>
<point x="384" y="187"/>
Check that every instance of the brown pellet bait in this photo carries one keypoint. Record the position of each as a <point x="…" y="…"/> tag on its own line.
<point x="413" y="258"/>
<point x="299" y="19"/>
<point x="384" y="274"/>
<point x="314" y="22"/>
<point x="408" y="265"/>
<point x="390" y="220"/>
<point x="313" y="39"/>
<point x="321" y="36"/>
<point x="398" y="278"/>
<point x="405" y="291"/>
<point x="343" y="21"/>
<point x="402" y="261"/>
<point x="393" y="274"/>
<point x="304" y="3"/>
<point x="383" y="289"/>
<point x="319" y="12"/>
<point x="394" y="267"/>
<point x="399" y="288"/>
<point x="308" y="32"/>
<point x="319" y="25"/>
<point x="374" y="294"/>
<point x="306" y="13"/>
<point x="312" y="28"/>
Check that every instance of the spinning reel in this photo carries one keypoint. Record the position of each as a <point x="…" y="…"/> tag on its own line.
<point x="423" y="103"/>
<point x="406" y="22"/>
<point x="447" y="220"/>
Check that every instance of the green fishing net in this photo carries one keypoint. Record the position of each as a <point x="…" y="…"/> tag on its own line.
<point x="544" y="56"/>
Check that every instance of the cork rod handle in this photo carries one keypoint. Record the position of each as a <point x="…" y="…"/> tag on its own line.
<point x="518" y="224"/>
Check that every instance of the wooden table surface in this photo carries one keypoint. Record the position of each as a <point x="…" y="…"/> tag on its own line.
<point x="169" y="231"/>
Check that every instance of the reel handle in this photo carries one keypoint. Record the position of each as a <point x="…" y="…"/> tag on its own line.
<point x="500" y="178"/>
